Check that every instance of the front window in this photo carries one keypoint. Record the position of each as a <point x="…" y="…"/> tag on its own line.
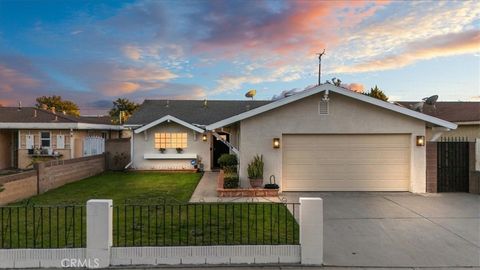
<point x="170" y="140"/>
<point x="45" y="139"/>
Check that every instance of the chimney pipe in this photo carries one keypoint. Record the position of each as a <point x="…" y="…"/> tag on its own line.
<point x="52" y="109"/>
<point x="19" y="105"/>
<point x="34" y="112"/>
<point x="205" y="103"/>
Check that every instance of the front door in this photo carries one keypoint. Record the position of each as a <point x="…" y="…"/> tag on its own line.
<point x="219" y="148"/>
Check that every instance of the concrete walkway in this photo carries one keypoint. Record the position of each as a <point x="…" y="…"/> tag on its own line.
<point x="375" y="229"/>
<point x="206" y="191"/>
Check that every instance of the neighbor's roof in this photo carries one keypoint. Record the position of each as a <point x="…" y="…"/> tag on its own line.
<point x="192" y="111"/>
<point x="455" y="111"/>
<point x="329" y="87"/>
<point x="35" y="118"/>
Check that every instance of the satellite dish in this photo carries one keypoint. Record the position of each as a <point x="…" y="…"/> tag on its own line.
<point x="431" y="100"/>
<point x="251" y="93"/>
<point x="428" y="100"/>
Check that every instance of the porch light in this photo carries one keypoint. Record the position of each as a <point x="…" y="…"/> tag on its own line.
<point x="420" y="140"/>
<point x="276" y="142"/>
<point x="204" y="137"/>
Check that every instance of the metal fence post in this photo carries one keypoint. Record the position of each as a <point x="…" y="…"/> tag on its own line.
<point x="99" y="233"/>
<point x="311" y="231"/>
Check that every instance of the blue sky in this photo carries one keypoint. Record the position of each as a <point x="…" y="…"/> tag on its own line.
<point x="93" y="52"/>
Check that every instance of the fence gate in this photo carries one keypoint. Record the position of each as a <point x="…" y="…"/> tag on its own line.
<point x="93" y="145"/>
<point x="452" y="165"/>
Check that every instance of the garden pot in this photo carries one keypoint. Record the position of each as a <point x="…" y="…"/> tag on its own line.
<point x="256" y="182"/>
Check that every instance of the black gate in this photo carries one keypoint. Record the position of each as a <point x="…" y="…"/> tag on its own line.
<point x="452" y="165"/>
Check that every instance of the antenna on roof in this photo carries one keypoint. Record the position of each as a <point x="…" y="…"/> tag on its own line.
<point x="320" y="66"/>
<point x="428" y="100"/>
<point x="251" y="93"/>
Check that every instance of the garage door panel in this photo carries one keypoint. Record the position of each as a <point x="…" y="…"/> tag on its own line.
<point x="346" y="162"/>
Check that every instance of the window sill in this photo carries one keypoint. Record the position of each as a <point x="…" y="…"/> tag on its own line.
<point x="170" y="156"/>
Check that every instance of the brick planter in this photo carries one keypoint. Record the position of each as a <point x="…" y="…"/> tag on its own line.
<point x="243" y="192"/>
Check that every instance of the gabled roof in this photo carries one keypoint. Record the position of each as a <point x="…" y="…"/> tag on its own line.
<point x="35" y="118"/>
<point x="191" y="111"/>
<point x="329" y="87"/>
<point x="453" y="111"/>
<point x="169" y="118"/>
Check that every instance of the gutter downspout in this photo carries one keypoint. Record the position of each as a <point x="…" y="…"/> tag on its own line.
<point x="131" y="150"/>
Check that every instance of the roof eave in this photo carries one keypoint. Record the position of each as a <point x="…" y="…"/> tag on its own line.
<point x="339" y="90"/>
<point x="168" y="118"/>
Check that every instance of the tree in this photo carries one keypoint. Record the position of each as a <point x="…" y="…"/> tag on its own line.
<point x="122" y="110"/>
<point x="376" y="93"/>
<point x="60" y="105"/>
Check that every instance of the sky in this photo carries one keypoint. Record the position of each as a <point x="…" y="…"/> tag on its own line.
<point x="93" y="52"/>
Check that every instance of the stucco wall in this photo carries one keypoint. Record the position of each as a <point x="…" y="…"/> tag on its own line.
<point x="347" y="116"/>
<point x="467" y="131"/>
<point x="5" y="149"/>
<point x="146" y="145"/>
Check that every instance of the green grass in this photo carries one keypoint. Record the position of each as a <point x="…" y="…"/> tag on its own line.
<point x="121" y="186"/>
<point x="141" y="216"/>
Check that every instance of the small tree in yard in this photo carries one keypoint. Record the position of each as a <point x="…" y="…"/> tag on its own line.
<point x="60" y="105"/>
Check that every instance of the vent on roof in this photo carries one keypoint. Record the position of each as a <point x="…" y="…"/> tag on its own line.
<point x="323" y="107"/>
<point x="168" y="104"/>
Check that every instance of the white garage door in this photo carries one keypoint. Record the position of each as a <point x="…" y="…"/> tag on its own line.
<point x="374" y="162"/>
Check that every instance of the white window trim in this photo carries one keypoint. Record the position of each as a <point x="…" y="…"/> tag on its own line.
<point x="49" y="139"/>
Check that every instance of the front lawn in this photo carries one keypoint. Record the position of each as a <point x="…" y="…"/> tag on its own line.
<point x="142" y="216"/>
<point x="121" y="186"/>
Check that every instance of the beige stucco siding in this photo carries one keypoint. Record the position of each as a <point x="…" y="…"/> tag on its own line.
<point x="470" y="132"/>
<point x="146" y="145"/>
<point x="346" y="116"/>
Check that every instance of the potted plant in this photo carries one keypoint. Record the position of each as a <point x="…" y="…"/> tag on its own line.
<point x="162" y="150"/>
<point x="179" y="150"/>
<point x="255" y="171"/>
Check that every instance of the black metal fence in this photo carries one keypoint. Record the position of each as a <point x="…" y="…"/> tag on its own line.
<point x="164" y="224"/>
<point x="452" y="165"/>
<point x="34" y="226"/>
<point x="205" y="224"/>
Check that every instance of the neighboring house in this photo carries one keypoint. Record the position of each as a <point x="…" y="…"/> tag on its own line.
<point x="465" y="114"/>
<point x="28" y="134"/>
<point x="330" y="139"/>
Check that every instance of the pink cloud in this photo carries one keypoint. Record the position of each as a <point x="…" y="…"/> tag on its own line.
<point x="11" y="79"/>
<point x="437" y="46"/>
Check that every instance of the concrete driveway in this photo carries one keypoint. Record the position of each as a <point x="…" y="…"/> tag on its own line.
<point x="379" y="229"/>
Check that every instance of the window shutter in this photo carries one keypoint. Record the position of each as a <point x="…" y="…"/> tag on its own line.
<point x="30" y="141"/>
<point x="60" y="141"/>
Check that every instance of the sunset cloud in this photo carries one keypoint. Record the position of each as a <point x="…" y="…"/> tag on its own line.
<point x="437" y="46"/>
<point x="11" y="79"/>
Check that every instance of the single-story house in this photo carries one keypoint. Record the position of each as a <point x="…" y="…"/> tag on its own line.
<point x="466" y="114"/>
<point x="28" y="134"/>
<point x="325" y="138"/>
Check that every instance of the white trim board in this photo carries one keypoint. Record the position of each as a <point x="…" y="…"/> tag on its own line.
<point x="169" y="118"/>
<point x="339" y="90"/>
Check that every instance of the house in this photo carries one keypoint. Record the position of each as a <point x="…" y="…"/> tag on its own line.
<point x="28" y="134"/>
<point x="326" y="138"/>
<point x="465" y="114"/>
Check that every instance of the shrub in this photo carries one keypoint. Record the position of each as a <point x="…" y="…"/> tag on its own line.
<point x="230" y="180"/>
<point x="227" y="160"/>
<point x="255" y="168"/>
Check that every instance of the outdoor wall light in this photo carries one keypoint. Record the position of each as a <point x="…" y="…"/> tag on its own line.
<point x="420" y="140"/>
<point x="204" y="137"/>
<point x="276" y="142"/>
